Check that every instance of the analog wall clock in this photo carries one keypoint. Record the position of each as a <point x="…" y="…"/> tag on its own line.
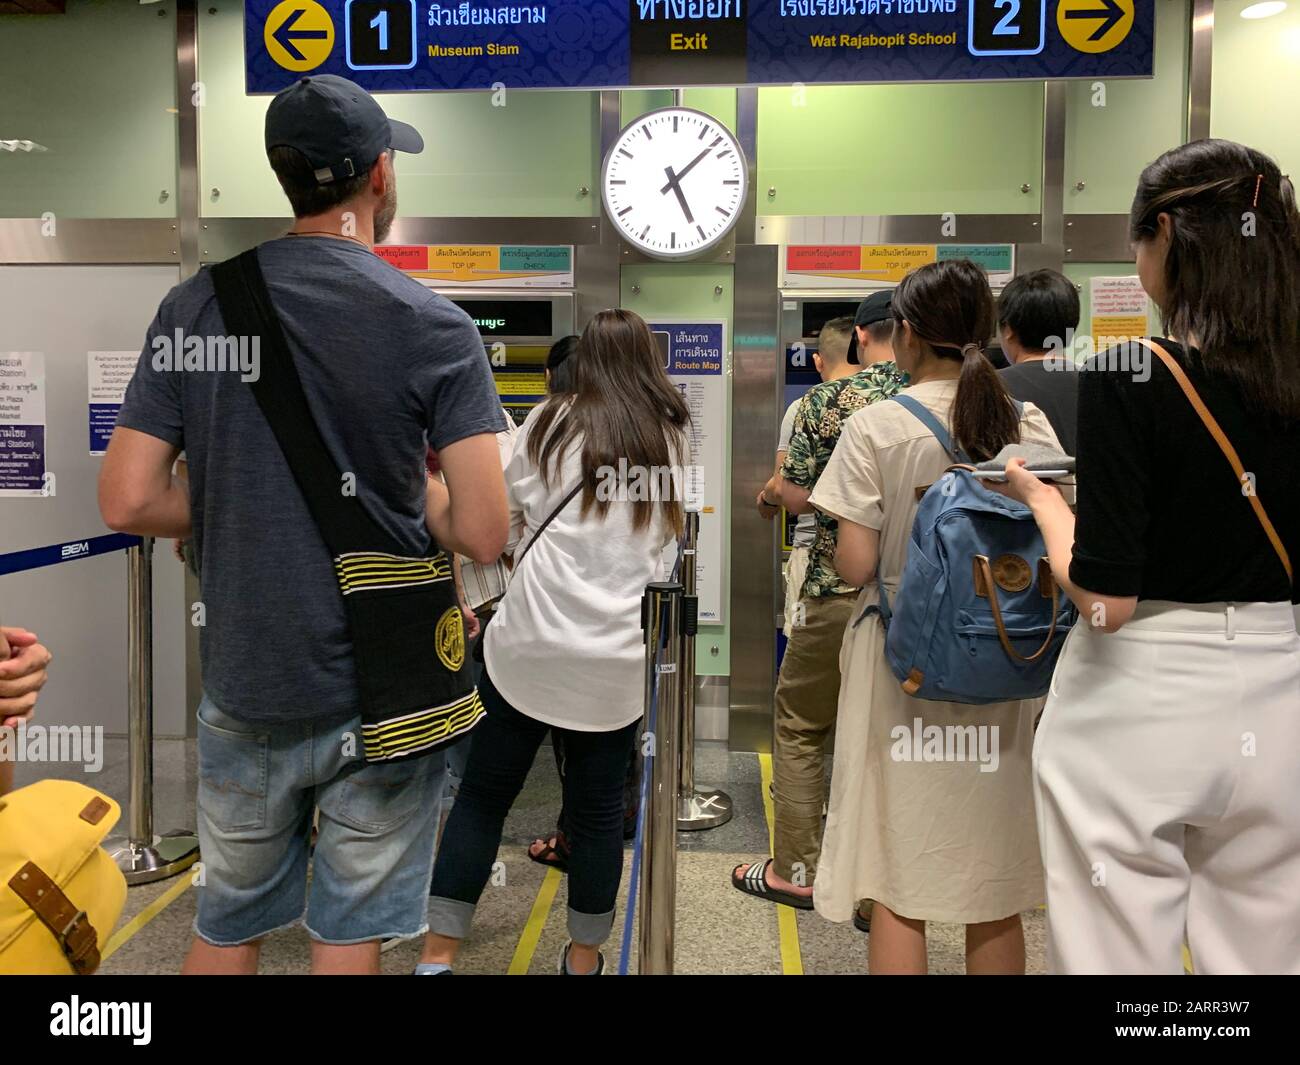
<point x="674" y="183"/>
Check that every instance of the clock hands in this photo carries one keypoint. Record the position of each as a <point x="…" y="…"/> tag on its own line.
<point x="674" y="183"/>
<point x="689" y="167"/>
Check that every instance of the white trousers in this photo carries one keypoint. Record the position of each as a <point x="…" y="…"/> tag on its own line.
<point x="1167" y="781"/>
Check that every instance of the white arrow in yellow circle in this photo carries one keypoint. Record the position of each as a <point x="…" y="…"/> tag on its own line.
<point x="1094" y="25"/>
<point x="299" y="34"/>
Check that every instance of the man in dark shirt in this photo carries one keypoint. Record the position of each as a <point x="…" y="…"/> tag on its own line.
<point x="388" y="369"/>
<point x="1038" y="312"/>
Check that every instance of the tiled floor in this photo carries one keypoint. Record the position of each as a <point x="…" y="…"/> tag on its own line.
<point x="717" y="929"/>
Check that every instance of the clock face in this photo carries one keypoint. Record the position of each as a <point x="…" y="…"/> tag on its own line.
<point x="674" y="183"/>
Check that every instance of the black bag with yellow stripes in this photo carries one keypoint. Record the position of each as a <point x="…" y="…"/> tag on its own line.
<point x="408" y="635"/>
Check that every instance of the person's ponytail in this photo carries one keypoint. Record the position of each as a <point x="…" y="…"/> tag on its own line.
<point x="950" y="307"/>
<point x="984" y="418"/>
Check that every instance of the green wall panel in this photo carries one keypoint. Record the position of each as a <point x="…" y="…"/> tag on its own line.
<point x="1106" y="147"/>
<point x="720" y="103"/>
<point x="1257" y="81"/>
<point x="687" y="291"/>
<point x="528" y="158"/>
<point x="97" y="87"/>
<point x="900" y="149"/>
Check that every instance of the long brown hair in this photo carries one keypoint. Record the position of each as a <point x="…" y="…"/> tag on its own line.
<point x="950" y="306"/>
<point x="623" y="408"/>
<point x="1232" y="274"/>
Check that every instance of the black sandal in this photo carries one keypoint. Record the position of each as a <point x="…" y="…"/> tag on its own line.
<point x="554" y="854"/>
<point x="754" y="882"/>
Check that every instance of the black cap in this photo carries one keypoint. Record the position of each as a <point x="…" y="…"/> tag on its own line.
<point x="337" y="125"/>
<point x="875" y="308"/>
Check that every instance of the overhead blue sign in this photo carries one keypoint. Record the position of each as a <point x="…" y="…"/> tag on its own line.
<point x="422" y="46"/>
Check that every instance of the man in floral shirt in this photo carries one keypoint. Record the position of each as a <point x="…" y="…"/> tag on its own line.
<point x="808" y="688"/>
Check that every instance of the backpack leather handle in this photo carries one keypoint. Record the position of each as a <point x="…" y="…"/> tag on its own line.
<point x="1225" y="445"/>
<point x="984" y="577"/>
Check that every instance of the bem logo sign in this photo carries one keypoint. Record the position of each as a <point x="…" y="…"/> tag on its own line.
<point x="121" y="1019"/>
<point x="81" y="547"/>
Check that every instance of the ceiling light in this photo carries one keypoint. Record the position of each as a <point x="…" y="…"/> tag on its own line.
<point x="1264" y="10"/>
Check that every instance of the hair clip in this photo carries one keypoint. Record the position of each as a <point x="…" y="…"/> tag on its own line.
<point x="1259" y="180"/>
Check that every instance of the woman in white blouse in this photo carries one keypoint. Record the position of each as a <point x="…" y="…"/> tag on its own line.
<point x="564" y="652"/>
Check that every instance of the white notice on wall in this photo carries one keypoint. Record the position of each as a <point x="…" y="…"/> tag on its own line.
<point x="1119" y="310"/>
<point x="22" y="423"/>
<point x="107" y="373"/>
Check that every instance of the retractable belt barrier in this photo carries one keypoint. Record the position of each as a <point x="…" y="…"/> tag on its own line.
<point x="142" y="856"/>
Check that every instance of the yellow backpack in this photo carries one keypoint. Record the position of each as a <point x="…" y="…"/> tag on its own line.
<point x="60" y="892"/>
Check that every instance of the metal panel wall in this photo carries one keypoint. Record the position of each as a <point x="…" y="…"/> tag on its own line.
<point x="79" y="608"/>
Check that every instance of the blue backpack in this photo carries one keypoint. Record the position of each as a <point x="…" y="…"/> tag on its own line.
<point x="978" y="617"/>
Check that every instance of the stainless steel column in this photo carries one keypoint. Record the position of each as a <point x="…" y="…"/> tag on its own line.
<point x="695" y="809"/>
<point x="1050" y="252"/>
<point x="142" y="856"/>
<point x="755" y="418"/>
<point x="1200" y="69"/>
<point x="662" y="608"/>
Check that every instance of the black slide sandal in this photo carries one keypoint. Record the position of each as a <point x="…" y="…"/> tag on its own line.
<point x="754" y="882"/>
<point x="553" y="857"/>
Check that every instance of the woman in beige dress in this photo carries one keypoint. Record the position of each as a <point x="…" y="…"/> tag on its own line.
<point x="926" y="836"/>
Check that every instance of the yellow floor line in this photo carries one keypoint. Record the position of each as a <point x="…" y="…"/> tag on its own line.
<point x="787" y="926"/>
<point x="124" y="934"/>
<point x="532" y="932"/>
<point x="1187" y="960"/>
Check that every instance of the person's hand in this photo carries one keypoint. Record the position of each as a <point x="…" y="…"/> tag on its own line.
<point x="472" y="623"/>
<point x="178" y="549"/>
<point x="765" y="509"/>
<point x="22" y="675"/>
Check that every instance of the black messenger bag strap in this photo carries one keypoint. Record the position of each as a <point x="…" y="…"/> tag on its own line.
<point x="408" y="637"/>
<point x="549" y="518"/>
<point x="248" y="312"/>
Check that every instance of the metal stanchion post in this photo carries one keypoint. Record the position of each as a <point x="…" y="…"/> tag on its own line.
<point x="662" y="608"/>
<point x="142" y="856"/>
<point x="695" y="809"/>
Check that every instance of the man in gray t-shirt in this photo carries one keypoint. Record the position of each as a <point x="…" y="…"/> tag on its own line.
<point x="389" y="369"/>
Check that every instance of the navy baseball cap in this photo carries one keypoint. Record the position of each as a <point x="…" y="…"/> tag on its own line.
<point x="337" y="125"/>
<point x="875" y="308"/>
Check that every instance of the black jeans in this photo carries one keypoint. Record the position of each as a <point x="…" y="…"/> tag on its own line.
<point x="631" y="791"/>
<point x="505" y="744"/>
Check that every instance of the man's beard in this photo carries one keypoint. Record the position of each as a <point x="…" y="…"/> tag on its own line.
<point x="386" y="214"/>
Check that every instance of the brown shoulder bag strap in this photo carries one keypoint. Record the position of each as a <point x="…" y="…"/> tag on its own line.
<point x="1225" y="445"/>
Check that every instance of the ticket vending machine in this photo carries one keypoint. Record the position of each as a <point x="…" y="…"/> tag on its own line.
<point x="518" y="329"/>
<point x="803" y="313"/>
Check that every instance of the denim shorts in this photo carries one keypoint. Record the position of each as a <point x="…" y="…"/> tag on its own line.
<point x="258" y="788"/>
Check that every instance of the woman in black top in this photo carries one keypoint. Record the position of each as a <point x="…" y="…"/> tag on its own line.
<point x="1167" y="764"/>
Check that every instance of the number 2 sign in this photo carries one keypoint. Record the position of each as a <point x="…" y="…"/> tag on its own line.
<point x="1007" y="27"/>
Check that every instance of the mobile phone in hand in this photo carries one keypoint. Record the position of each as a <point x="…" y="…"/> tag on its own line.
<point x="1000" y="476"/>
